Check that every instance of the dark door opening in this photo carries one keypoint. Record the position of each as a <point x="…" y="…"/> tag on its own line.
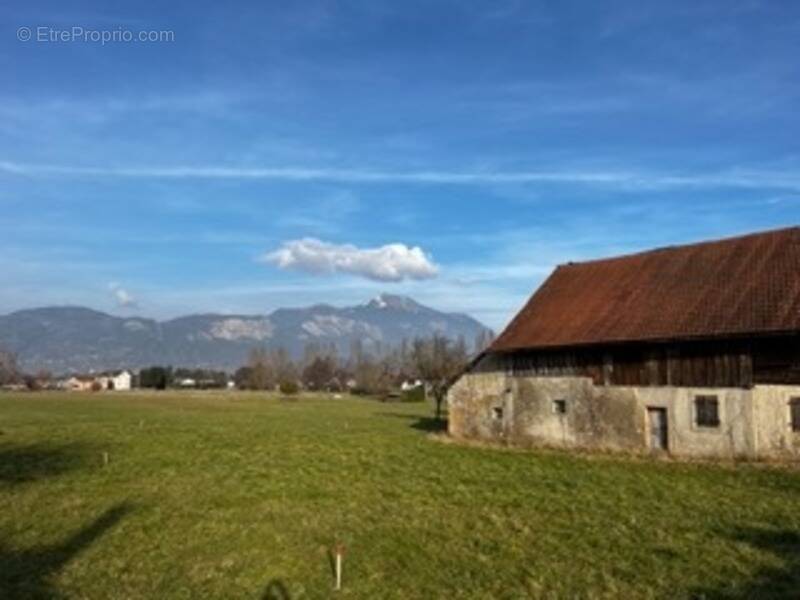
<point x="657" y="422"/>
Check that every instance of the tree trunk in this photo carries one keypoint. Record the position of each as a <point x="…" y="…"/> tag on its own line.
<point x="439" y="395"/>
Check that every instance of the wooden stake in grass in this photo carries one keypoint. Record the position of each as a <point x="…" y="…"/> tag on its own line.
<point x="105" y="459"/>
<point x="339" y="553"/>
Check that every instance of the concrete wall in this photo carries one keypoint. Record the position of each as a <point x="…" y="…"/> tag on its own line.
<point x="775" y="438"/>
<point x="754" y="423"/>
<point x="734" y="437"/>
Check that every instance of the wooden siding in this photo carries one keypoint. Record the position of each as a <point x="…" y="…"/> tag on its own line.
<point x="728" y="363"/>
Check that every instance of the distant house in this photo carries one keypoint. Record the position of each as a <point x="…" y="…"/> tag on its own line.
<point x="78" y="383"/>
<point x="119" y="381"/>
<point x="410" y="385"/>
<point x="115" y="380"/>
<point x="693" y="350"/>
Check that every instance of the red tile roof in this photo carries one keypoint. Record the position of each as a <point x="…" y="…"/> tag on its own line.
<point x="737" y="286"/>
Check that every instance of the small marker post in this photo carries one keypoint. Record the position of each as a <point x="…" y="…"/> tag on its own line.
<point x="339" y="552"/>
<point x="105" y="459"/>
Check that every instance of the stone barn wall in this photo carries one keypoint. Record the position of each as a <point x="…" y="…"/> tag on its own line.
<point x="525" y="410"/>
<point x="775" y="438"/>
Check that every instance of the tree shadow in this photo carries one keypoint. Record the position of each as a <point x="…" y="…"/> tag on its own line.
<point x="769" y="582"/>
<point x="426" y="424"/>
<point x="28" y="573"/>
<point x="276" y="590"/>
<point x="22" y="464"/>
<point x="430" y="425"/>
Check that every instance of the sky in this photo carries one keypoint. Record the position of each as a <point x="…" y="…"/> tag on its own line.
<point x="250" y="156"/>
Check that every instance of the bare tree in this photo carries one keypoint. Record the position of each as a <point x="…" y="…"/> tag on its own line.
<point x="437" y="361"/>
<point x="311" y="351"/>
<point x="9" y="372"/>
<point x="285" y="369"/>
<point x="319" y="373"/>
<point x="261" y="370"/>
<point x="44" y="378"/>
<point x="372" y="375"/>
<point x="483" y="340"/>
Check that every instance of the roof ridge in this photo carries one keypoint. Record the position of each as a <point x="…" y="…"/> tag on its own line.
<point x="671" y="247"/>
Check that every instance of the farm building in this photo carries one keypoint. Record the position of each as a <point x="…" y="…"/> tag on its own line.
<point x="78" y="383"/>
<point x="115" y="380"/>
<point x="694" y="350"/>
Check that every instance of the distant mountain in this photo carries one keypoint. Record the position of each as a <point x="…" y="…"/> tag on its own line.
<point x="63" y="339"/>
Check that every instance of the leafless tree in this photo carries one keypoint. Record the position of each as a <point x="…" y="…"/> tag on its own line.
<point x="261" y="370"/>
<point x="437" y="361"/>
<point x="285" y="369"/>
<point x="371" y="375"/>
<point x="483" y="340"/>
<point x="9" y="372"/>
<point x="319" y="373"/>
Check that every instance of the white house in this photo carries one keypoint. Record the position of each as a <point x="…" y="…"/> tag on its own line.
<point x="410" y="385"/>
<point x="116" y="380"/>
<point x="119" y="381"/>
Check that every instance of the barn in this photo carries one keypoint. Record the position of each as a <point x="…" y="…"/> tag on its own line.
<point x="691" y="350"/>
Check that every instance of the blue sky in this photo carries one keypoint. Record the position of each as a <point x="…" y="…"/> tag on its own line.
<point x="269" y="153"/>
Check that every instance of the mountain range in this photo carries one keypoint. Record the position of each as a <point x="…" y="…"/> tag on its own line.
<point x="77" y="339"/>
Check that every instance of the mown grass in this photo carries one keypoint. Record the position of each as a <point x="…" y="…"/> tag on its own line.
<point x="243" y="495"/>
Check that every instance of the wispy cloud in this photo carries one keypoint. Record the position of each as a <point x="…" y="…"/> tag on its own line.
<point x="392" y="262"/>
<point x="123" y="297"/>
<point x="626" y="179"/>
<point x="322" y="215"/>
<point x="100" y="109"/>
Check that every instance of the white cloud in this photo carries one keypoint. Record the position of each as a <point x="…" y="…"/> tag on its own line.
<point x="392" y="262"/>
<point x="123" y="298"/>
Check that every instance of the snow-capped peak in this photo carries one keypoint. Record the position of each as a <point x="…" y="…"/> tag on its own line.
<point x="392" y="301"/>
<point x="377" y="302"/>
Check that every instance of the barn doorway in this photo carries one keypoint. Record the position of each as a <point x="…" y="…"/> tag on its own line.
<point x="657" y="423"/>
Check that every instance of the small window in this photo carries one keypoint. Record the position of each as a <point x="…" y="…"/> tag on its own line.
<point x="497" y="413"/>
<point x="706" y="411"/>
<point x="794" y="407"/>
<point x="559" y="407"/>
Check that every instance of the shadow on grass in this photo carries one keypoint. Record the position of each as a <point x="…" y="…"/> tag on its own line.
<point x="22" y="464"/>
<point x="332" y="562"/>
<point x="276" y="590"/>
<point x="426" y="424"/>
<point x="769" y="582"/>
<point x="28" y="573"/>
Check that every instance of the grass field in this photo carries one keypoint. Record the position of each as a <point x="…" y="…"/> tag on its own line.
<point x="242" y="496"/>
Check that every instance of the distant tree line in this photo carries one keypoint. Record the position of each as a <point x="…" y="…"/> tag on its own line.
<point x="371" y="369"/>
<point x="12" y="374"/>
<point x="160" y="378"/>
<point x="433" y="361"/>
<point x="157" y="378"/>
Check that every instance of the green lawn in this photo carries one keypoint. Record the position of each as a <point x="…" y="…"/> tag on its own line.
<point x="242" y="495"/>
